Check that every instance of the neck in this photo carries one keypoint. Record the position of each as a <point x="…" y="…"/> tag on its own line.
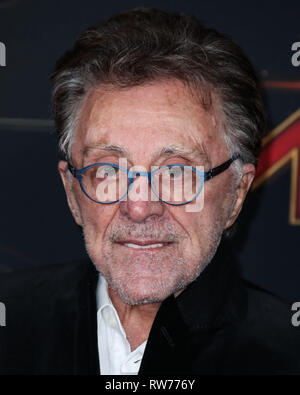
<point x="136" y="320"/>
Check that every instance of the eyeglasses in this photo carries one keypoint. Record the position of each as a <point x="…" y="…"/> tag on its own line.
<point x="108" y="183"/>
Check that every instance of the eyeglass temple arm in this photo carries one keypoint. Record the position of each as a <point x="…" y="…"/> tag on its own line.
<point x="72" y="169"/>
<point x="219" y="169"/>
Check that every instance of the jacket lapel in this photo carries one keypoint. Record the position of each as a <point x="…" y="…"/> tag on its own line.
<point x="186" y="335"/>
<point x="86" y="360"/>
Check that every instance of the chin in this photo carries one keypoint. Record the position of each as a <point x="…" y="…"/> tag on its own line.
<point x="143" y="290"/>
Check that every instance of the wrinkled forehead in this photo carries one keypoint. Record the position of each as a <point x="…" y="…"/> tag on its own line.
<point x="145" y="120"/>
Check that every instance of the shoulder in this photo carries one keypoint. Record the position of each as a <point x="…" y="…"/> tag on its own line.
<point x="266" y="308"/>
<point x="266" y="336"/>
<point x="45" y="281"/>
<point x="46" y="308"/>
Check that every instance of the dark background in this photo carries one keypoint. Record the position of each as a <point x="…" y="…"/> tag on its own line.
<point x="36" y="226"/>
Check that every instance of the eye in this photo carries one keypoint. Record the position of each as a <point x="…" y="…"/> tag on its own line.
<point x="107" y="171"/>
<point x="175" y="172"/>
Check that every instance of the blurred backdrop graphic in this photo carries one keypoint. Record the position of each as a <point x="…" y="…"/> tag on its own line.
<point x="36" y="226"/>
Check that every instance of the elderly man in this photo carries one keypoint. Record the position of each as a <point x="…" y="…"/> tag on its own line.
<point x="160" y="122"/>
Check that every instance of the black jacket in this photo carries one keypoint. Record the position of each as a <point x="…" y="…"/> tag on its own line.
<point x="219" y="325"/>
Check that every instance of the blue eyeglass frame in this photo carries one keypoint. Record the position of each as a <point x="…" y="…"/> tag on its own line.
<point x="207" y="175"/>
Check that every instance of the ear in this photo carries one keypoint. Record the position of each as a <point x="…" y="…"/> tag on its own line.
<point x="67" y="182"/>
<point x="241" y="192"/>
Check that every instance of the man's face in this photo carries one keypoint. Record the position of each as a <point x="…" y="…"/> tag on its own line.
<point x="150" y="125"/>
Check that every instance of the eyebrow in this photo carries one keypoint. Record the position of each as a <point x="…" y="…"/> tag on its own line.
<point x="171" y="150"/>
<point x="166" y="152"/>
<point x="109" y="148"/>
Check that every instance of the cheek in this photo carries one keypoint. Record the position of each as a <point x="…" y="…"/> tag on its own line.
<point x="218" y="196"/>
<point x="195" y="225"/>
<point x="201" y="226"/>
<point x="96" y="218"/>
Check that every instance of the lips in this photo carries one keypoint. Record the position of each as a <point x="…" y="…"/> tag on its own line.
<point x="138" y="244"/>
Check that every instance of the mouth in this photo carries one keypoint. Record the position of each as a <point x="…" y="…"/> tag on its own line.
<point x="143" y="245"/>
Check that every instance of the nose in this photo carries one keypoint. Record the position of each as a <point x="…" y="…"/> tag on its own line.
<point x="140" y="203"/>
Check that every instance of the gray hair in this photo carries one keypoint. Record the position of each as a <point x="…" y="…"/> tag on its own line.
<point x="144" y="45"/>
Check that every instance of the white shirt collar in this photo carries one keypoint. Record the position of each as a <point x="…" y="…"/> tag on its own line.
<point x="114" y="349"/>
